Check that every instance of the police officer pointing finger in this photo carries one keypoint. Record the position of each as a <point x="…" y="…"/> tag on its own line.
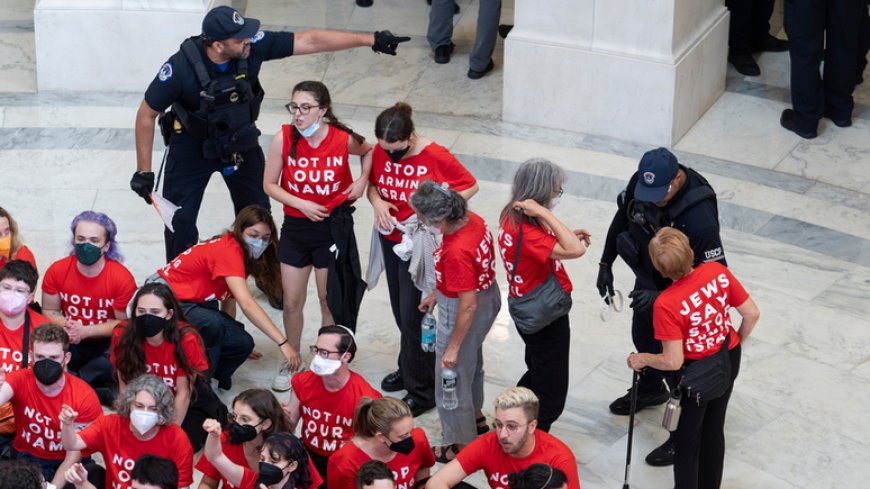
<point x="213" y="96"/>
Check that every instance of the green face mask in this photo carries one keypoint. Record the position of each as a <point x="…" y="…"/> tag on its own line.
<point x="87" y="254"/>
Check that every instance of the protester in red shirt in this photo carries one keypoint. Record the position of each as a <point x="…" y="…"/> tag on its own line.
<point x="400" y="161"/>
<point x="11" y="247"/>
<point x="215" y="271"/>
<point x="157" y="340"/>
<point x="325" y="397"/>
<point x="383" y="430"/>
<point x="87" y="293"/>
<point x="149" y="472"/>
<point x="38" y="394"/>
<point x="692" y="320"/>
<point x="468" y="301"/>
<point x="142" y="425"/>
<point x="545" y="242"/>
<point x="308" y="170"/>
<point x="512" y="446"/>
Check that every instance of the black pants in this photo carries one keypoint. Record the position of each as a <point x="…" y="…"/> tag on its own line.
<point x="749" y="23"/>
<point x="417" y="366"/>
<point x="643" y="336"/>
<point x="700" y="438"/>
<point x="204" y="404"/>
<point x="186" y="176"/>
<point x="227" y="344"/>
<point x="320" y="463"/>
<point x="90" y="362"/>
<point x="547" y="356"/>
<point x="829" y="31"/>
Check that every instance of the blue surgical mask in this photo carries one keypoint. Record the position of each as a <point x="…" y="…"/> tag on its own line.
<point x="257" y="246"/>
<point x="310" y="130"/>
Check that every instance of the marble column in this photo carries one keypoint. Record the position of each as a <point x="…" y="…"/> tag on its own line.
<point x="640" y="70"/>
<point x="110" y="45"/>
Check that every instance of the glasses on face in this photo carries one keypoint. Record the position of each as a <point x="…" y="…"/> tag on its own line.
<point x="17" y="290"/>
<point x="511" y="428"/>
<point x="321" y="351"/>
<point x="303" y="109"/>
<point x="561" y="191"/>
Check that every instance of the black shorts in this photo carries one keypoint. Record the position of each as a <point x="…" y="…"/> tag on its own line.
<point x="305" y="242"/>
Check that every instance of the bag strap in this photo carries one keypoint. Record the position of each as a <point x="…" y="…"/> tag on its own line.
<point x="517" y="252"/>
<point x="189" y="48"/>
<point x="26" y="346"/>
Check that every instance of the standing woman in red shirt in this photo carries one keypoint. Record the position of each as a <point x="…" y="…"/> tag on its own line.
<point x="546" y="241"/>
<point x="308" y="170"/>
<point x="400" y="161"/>
<point x="468" y="301"/>
<point x="215" y="271"/>
<point x="11" y="247"/>
<point x="691" y="318"/>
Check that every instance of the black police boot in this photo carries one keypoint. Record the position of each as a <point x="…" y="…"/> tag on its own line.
<point x="393" y="382"/>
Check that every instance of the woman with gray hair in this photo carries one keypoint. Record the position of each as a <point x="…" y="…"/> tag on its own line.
<point x="468" y="300"/>
<point x="144" y="423"/>
<point x="528" y="228"/>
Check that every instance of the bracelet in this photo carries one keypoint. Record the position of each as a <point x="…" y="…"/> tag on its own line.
<point x="286" y="340"/>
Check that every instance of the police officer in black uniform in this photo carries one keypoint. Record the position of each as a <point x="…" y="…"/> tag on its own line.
<point x="661" y="193"/>
<point x="211" y="89"/>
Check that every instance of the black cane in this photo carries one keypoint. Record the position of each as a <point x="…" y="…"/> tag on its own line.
<point x="634" y="378"/>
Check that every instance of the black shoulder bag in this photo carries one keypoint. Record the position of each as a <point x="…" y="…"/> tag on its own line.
<point x="710" y="377"/>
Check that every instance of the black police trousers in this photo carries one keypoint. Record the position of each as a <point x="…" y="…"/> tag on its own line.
<point x="749" y="24"/>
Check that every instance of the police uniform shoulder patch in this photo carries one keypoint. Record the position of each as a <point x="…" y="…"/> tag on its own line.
<point x="258" y="36"/>
<point x="165" y="72"/>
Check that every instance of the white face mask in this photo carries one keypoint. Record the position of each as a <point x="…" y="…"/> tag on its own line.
<point x="143" y="420"/>
<point x="257" y="246"/>
<point x="324" y="366"/>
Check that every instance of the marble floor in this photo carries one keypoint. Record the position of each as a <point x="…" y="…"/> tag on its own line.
<point x="795" y="216"/>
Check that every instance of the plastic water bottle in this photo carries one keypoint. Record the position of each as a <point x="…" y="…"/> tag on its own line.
<point x="449" y="400"/>
<point x="427" y="332"/>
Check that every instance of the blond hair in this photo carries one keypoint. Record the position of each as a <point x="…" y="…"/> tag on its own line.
<point x="671" y="253"/>
<point x="378" y="415"/>
<point x="519" y="397"/>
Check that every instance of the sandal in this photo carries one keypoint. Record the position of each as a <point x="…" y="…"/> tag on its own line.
<point x="442" y="452"/>
<point x="482" y="427"/>
<point x="255" y="355"/>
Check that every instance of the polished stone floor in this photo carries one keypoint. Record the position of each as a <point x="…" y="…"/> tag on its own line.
<point x="795" y="217"/>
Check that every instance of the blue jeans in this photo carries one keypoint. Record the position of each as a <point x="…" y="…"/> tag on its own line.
<point x="227" y="343"/>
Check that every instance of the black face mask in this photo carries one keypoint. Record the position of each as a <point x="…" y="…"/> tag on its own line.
<point x="47" y="371"/>
<point x="404" y="447"/>
<point x="240" y="433"/>
<point x="148" y="325"/>
<point x="397" y="154"/>
<point x="270" y="474"/>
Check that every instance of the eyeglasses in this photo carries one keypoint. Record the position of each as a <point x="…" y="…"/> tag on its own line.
<point x="321" y="351"/>
<point x="8" y="288"/>
<point x="561" y="191"/>
<point x="511" y="428"/>
<point x="303" y="109"/>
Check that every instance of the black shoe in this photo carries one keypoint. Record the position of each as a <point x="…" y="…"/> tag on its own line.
<point x="475" y="75"/>
<point x="364" y="3"/>
<point x="393" y="382"/>
<point x="770" y="44"/>
<point x="662" y="456"/>
<point x="787" y="121"/>
<point x="504" y="30"/>
<point x="622" y="405"/>
<point x="744" y="64"/>
<point x="838" y="122"/>
<point x="442" y="53"/>
<point x="417" y="407"/>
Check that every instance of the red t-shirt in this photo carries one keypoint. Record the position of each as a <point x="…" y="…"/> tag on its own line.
<point x="345" y="463"/>
<point x="36" y="415"/>
<point x="91" y="300"/>
<point x="486" y="453"/>
<point x="327" y="417"/>
<point x="236" y="454"/>
<point x="23" y="253"/>
<point x="466" y="259"/>
<point x="160" y="360"/>
<point x="397" y="181"/>
<point x="318" y="174"/>
<point x="695" y="309"/>
<point x="198" y="274"/>
<point x="535" y="263"/>
<point x="12" y="341"/>
<point x="111" y="436"/>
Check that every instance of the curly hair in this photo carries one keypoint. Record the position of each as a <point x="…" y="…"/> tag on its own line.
<point x="287" y="447"/>
<point x="159" y="391"/>
<point x="16" y="474"/>
<point x="537" y="476"/>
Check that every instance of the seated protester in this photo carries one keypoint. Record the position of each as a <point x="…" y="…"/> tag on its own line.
<point x="20" y="475"/>
<point x="375" y="474"/>
<point x="284" y="462"/>
<point x="158" y="341"/>
<point x="538" y="476"/>
<point x="325" y="397"/>
<point x="17" y="287"/>
<point x="39" y="393"/>
<point x="11" y="247"/>
<point x="256" y="415"/>
<point x="513" y="445"/>
<point x="87" y="293"/>
<point x="150" y="472"/>
<point x="384" y="431"/>
<point x="143" y="424"/>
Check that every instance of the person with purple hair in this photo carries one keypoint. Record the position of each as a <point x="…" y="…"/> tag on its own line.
<point x="87" y="293"/>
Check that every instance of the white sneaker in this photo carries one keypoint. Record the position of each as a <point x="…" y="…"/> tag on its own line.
<point x="281" y="382"/>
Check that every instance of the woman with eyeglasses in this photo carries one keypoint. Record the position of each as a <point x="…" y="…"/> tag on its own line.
<point x="537" y="188"/>
<point x="11" y="247"/>
<point x="308" y="171"/>
<point x="255" y="417"/>
<point x="383" y="430"/>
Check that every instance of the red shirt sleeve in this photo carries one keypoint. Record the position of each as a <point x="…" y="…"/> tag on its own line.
<point x="194" y="352"/>
<point x="116" y="337"/>
<point x="537" y="244"/>
<point x="738" y="293"/>
<point x="182" y="454"/>
<point x="126" y="287"/>
<point x="421" y="441"/>
<point x="474" y="455"/>
<point x="93" y="435"/>
<point x="25" y="254"/>
<point x="451" y="170"/>
<point x="341" y="469"/>
<point x="50" y="279"/>
<point x="203" y="465"/>
<point x="249" y="479"/>
<point x="667" y="324"/>
<point x="457" y="270"/>
<point x="229" y="262"/>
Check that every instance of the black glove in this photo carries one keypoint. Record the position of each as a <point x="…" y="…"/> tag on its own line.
<point x="605" y="281"/>
<point x="386" y="42"/>
<point x="643" y="298"/>
<point x="143" y="183"/>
